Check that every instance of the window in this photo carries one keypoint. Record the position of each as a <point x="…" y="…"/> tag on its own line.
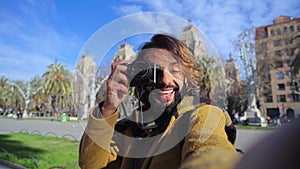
<point x="278" y="53"/>
<point x="289" y="73"/>
<point x="266" y="77"/>
<point x="279" y="64"/>
<point x="277" y="42"/>
<point x="265" y="54"/>
<point x="263" y="35"/>
<point x="272" y="33"/>
<point x="281" y="98"/>
<point x="293" y="85"/>
<point x="264" y="45"/>
<point x="289" y="63"/>
<point x="281" y="87"/>
<point x="298" y="28"/>
<point x="295" y="97"/>
<point x="285" y="29"/>
<point x="227" y="75"/>
<point x="280" y="75"/>
<point x="292" y="29"/>
<point x="287" y="51"/>
<point x="278" y="32"/>
<point x="269" y="99"/>
<point x="288" y="41"/>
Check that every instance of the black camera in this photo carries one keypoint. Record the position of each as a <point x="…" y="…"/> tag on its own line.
<point x="141" y="73"/>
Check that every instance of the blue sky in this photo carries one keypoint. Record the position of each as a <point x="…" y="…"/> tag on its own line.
<point x="33" y="34"/>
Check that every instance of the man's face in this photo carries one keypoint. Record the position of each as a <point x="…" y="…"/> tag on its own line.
<point x="170" y="81"/>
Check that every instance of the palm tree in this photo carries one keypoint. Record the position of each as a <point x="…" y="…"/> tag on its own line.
<point x="57" y="82"/>
<point x="4" y="88"/>
<point x="212" y="76"/>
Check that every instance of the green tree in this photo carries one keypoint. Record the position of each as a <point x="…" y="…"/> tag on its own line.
<point x="57" y="82"/>
<point x="4" y="92"/>
<point x="212" y="75"/>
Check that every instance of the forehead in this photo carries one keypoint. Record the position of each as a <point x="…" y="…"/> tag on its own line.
<point x="159" y="56"/>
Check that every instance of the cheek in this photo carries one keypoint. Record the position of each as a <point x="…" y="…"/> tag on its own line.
<point x="180" y="82"/>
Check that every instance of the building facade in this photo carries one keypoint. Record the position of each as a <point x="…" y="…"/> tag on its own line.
<point x="190" y="36"/>
<point x="125" y="52"/>
<point x="274" y="53"/>
<point x="236" y="89"/>
<point x="84" y="79"/>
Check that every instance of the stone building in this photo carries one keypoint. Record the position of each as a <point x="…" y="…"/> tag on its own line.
<point x="232" y="72"/>
<point x="125" y="52"/>
<point x="236" y="89"/>
<point x="84" y="79"/>
<point x="190" y="36"/>
<point x="274" y="53"/>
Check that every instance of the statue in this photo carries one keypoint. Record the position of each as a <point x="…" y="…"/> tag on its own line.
<point x="247" y="49"/>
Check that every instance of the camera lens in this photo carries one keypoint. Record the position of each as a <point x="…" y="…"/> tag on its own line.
<point x="141" y="70"/>
<point x="142" y="73"/>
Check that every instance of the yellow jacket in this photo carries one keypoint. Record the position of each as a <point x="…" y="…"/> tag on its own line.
<point x="194" y="139"/>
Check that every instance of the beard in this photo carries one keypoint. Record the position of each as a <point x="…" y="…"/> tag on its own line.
<point x="157" y="110"/>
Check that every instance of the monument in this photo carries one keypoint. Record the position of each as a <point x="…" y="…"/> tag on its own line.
<point x="246" y="45"/>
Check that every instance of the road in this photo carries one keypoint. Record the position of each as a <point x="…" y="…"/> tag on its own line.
<point x="74" y="130"/>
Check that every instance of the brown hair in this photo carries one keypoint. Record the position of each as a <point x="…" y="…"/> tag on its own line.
<point x="188" y="65"/>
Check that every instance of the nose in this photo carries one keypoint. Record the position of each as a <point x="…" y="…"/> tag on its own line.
<point x="166" y="78"/>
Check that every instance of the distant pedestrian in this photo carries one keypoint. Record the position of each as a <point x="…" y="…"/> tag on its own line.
<point x="20" y="113"/>
<point x="278" y="123"/>
<point x="64" y="117"/>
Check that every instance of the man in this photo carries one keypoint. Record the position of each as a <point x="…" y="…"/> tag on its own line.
<point x="172" y="128"/>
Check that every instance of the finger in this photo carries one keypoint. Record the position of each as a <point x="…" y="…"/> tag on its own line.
<point x="122" y="79"/>
<point x="114" y="87"/>
<point x="117" y="64"/>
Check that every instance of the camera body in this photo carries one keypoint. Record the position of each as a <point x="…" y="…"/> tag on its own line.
<point x="141" y="73"/>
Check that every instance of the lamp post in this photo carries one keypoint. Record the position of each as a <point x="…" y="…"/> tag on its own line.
<point x="92" y="87"/>
<point x="27" y="95"/>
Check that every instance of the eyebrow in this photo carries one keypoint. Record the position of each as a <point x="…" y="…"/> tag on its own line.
<point x="174" y="63"/>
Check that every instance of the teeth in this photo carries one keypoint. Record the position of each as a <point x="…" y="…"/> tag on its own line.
<point x="166" y="91"/>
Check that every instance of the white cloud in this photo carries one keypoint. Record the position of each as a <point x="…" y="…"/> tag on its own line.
<point x="221" y="20"/>
<point x="130" y="9"/>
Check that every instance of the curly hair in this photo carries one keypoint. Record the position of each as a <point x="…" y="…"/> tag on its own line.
<point x="188" y="65"/>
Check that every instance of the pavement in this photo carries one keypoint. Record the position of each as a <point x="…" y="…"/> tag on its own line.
<point x="74" y="130"/>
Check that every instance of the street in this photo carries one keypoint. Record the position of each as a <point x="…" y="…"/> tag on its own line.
<point x="74" y="130"/>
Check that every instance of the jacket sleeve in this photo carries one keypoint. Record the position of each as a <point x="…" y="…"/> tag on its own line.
<point x="206" y="145"/>
<point x="95" y="149"/>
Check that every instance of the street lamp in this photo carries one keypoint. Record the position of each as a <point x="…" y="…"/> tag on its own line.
<point x="92" y="87"/>
<point x="27" y="95"/>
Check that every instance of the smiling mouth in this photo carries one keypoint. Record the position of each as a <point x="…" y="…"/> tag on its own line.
<point x="166" y="93"/>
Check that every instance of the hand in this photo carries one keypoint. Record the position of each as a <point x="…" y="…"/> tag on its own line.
<point x="117" y="88"/>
